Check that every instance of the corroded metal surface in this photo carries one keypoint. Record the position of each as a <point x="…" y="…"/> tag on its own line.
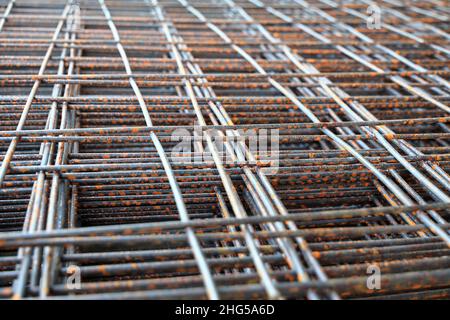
<point x="97" y="200"/>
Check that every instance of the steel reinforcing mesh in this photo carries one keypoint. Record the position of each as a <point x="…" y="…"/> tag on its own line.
<point x="129" y="167"/>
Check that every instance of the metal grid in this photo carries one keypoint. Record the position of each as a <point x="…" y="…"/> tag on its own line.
<point x="92" y="92"/>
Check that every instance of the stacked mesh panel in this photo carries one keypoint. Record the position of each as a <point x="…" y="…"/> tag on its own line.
<point x="128" y="168"/>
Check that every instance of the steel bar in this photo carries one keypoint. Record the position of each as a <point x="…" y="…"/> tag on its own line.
<point x="232" y="149"/>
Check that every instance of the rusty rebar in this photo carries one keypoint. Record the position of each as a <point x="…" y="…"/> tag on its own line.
<point x="97" y="96"/>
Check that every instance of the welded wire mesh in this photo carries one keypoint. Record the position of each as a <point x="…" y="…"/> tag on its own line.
<point x="128" y="170"/>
